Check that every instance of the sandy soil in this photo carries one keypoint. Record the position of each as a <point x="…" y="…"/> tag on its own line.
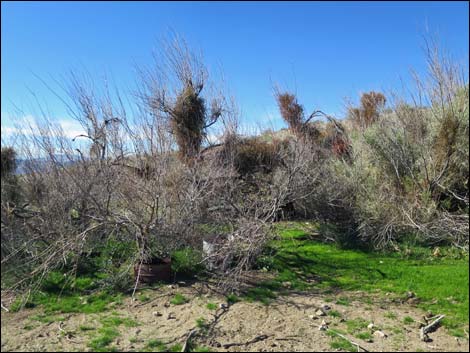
<point x="289" y="323"/>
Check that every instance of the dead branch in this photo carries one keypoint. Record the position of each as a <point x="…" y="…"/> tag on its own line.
<point x="254" y="340"/>
<point x="430" y="328"/>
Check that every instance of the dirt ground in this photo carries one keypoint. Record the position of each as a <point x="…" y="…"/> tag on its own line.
<point x="289" y="323"/>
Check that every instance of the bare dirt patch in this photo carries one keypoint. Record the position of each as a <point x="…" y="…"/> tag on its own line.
<point x="289" y="323"/>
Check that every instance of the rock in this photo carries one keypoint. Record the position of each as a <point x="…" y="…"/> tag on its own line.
<point x="223" y="306"/>
<point x="371" y="326"/>
<point x="182" y="283"/>
<point x="379" y="334"/>
<point x="413" y="301"/>
<point x="410" y="295"/>
<point x="320" y="312"/>
<point x="286" y="284"/>
<point x="157" y="313"/>
<point x="171" y="316"/>
<point x="325" y="308"/>
<point x="166" y="305"/>
<point x="323" y="326"/>
<point x="138" y="331"/>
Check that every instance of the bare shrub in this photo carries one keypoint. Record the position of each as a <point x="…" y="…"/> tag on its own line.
<point x="174" y="91"/>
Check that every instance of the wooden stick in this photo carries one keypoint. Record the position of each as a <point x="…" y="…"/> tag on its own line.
<point x="4" y="308"/>
<point x="254" y="340"/>
<point x="188" y="338"/>
<point x="429" y="328"/>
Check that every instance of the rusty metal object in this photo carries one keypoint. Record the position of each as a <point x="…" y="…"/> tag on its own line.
<point x="154" y="272"/>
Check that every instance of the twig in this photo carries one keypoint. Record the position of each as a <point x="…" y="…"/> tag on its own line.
<point x="254" y="340"/>
<point x="358" y="346"/>
<point x="188" y="338"/>
<point x="429" y="328"/>
<point x="5" y="308"/>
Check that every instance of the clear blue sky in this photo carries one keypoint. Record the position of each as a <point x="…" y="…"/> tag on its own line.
<point x="325" y="51"/>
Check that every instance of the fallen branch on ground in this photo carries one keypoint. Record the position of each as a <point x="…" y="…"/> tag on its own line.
<point x="188" y="338"/>
<point x="254" y="340"/>
<point x="423" y="333"/>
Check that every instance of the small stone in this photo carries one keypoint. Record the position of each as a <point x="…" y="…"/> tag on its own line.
<point x="320" y="312"/>
<point x="379" y="334"/>
<point x="223" y="306"/>
<point x="171" y="316"/>
<point x="138" y="331"/>
<point x="371" y="326"/>
<point x="323" y="326"/>
<point x="410" y="295"/>
<point x="286" y="284"/>
<point x="157" y="313"/>
<point x="166" y="305"/>
<point x="326" y="308"/>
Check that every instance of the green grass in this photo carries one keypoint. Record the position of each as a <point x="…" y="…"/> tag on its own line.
<point x="339" y="343"/>
<point x="232" y="299"/>
<point x="86" y="328"/>
<point x="366" y="336"/>
<point x="104" y="339"/>
<point x="211" y="306"/>
<point x="156" y="345"/>
<point x="143" y="298"/>
<point x="202" y="325"/>
<point x="334" y="313"/>
<point x="179" y="299"/>
<point x="356" y="325"/>
<point x="407" y="320"/>
<point x="343" y="301"/>
<point x="114" y="321"/>
<point x="390" y="315"/>
<point x="440" y="283"/>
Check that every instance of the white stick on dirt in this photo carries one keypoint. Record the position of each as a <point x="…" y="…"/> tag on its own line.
<point x="429" y="328"/>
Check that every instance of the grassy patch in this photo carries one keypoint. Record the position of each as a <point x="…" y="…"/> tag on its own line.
<point x="201" y="323"/>
<point x="356" y="325"/>
<point x="104" y="339"/>
<point x="366" y="336"/>
<point x="441" y="283"/>
<point x="343" y="301"/>
<point x="232" y="299"/>
<point x="156" y="345"/>
<point x="86" y="328"/>
<point x="407" y="320"/>
<point x="334" y="313"/>
<point x="339" y="343"/>
<point x="390" y="315"/>
<point x="211" y="306"/>
<point x="114" y="321"/>
<point x="179" y="299"/>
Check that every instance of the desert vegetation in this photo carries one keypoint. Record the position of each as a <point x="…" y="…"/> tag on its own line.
<point x="146" y="184"/>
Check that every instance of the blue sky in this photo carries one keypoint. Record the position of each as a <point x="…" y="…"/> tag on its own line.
<point x="324" y="51"/>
